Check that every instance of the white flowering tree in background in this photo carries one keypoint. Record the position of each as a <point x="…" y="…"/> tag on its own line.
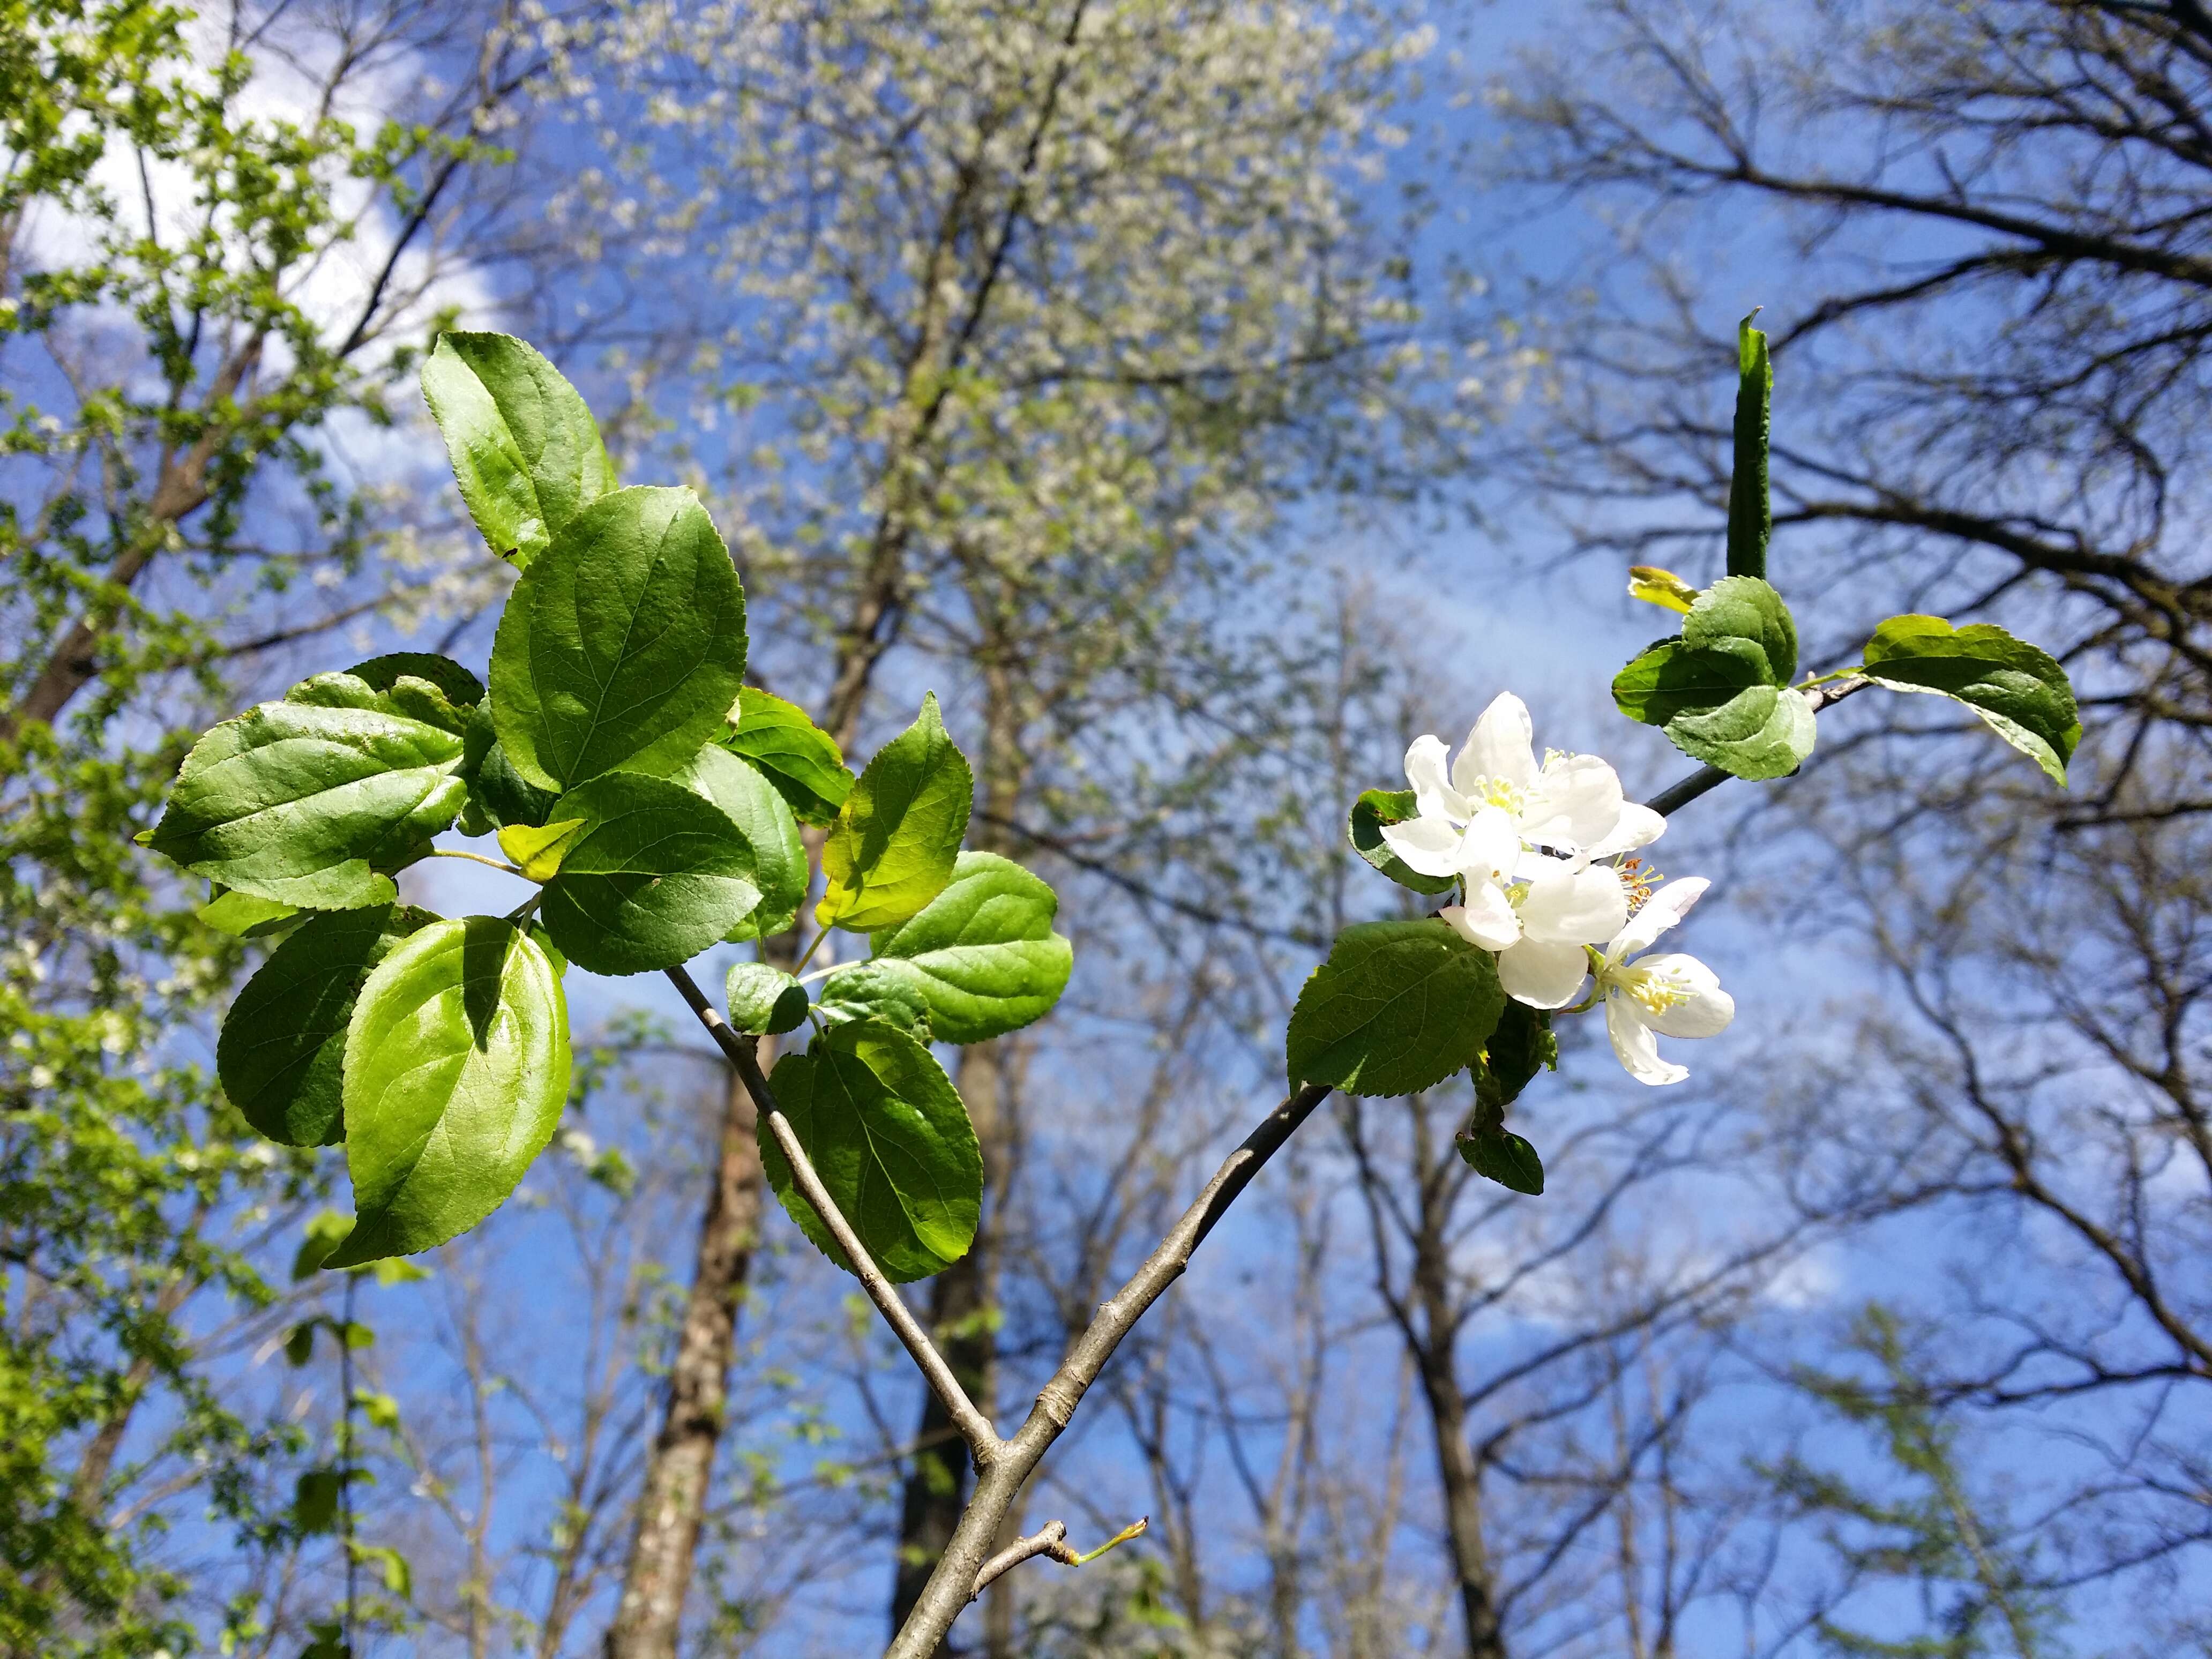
<point x="1027" y="328"/>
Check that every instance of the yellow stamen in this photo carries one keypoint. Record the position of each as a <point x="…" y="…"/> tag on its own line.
<point x="1639" y="879"/>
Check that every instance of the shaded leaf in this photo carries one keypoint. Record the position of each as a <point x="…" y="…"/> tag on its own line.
<point x="281" y="1052"/>
<point x="1399" y="1006"/>
<point x="1522" y="1046"/>
<point x="315" y="1500"/>
<point x="657" y="875"/>
<point x="1499" y="1155"/>
<point x="885" y="1130"/>
<point x="1373" y="810"/>
<point x="751" y="802"/>
<point x="498" y="794"/>
<point x="763" y="999"/>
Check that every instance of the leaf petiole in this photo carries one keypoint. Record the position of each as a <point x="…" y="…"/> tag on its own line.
<point x="476" y="857"/>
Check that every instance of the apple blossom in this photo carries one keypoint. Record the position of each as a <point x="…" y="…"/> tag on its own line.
<point x="1671" y="995"/>
<point x="1570" y="804"/>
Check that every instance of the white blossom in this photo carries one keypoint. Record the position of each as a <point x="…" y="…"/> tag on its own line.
<point x="1671" y="995"/>
<point x="1523" y="836"/>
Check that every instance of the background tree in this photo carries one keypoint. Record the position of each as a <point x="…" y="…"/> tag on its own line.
<point x="222" y="239"/>
<point x="1980" y="231"/>
<point x="1086" y="294"/>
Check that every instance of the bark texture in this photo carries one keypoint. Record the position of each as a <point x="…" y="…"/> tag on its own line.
<point x="657" y="1578"/>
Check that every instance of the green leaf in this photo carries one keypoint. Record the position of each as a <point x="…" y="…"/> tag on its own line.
<point x="499" y="796"/>
<point x="392" y="1566"/>
<point x="1522" y="1046"/>
<point x="657" y="875"/>
<point x="527" y="454"/>
<point x="2022" y="692"/>
<point x="876" y="991"/>
<point x="1399" y="1006"/>
<point x="322" y="1235"/>
<point x="461" y="688"/>
<point x="315" y="1500"/>
<point x="1499" y="1155"/>
<point x="623" y="645"/>
<point x="538" y="851"/>
<point x="311" y="806"/>
<point x="300" y="1343"/>
<point x="281" y="1052"/>
<point x="456" y="1071"/>
<point x="763" y="999"/>
<point x="1376" y="808"/>
<point x="885" y="1130"/>
<point x="244" y="916"/>
<point x="1751" y="509"/>
<point x="1722" y="692"/>
<point x="892" y="849"/>
<point x="981" y="955"/>
<point x="436" y="690"/>
<point x="800" y="758"/>
<point x="765" y="819"/>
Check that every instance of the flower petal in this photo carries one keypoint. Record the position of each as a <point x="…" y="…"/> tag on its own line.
<point x="1638" y="826"/>
<point x="1425" y="771"/>
<point x="1634" y="1046"/>
<point x="1660" y="911"/>
<point x="1705" y="1009"/>
<point x="1430" y="845"/>
<point x="1541" y="975"/>
<point x="1575" y="802"/>
<point x="1486" y="918"/>
<point x="1500" y="746"/>
<point x="1573" y="904"/>
<point x="1491" y="847"/>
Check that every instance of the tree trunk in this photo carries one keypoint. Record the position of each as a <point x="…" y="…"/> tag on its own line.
<point x="1457" y="1472"/>
<point x="657" y="1578"/>
<point x="180" y="488"/>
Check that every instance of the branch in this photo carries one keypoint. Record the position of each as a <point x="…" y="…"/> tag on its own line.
<point x="952" y="1586"/>
<point x="1050" y="1540"/>
<point x="976" y="1428"/>
<point x="1004" y="1467"/>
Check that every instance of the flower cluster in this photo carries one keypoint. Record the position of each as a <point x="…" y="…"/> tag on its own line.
<point x="1535" y="847"/>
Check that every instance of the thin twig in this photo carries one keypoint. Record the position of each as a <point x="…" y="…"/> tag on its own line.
<point x="974" y="1428"/>
<point x="1051" y="1539"/>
